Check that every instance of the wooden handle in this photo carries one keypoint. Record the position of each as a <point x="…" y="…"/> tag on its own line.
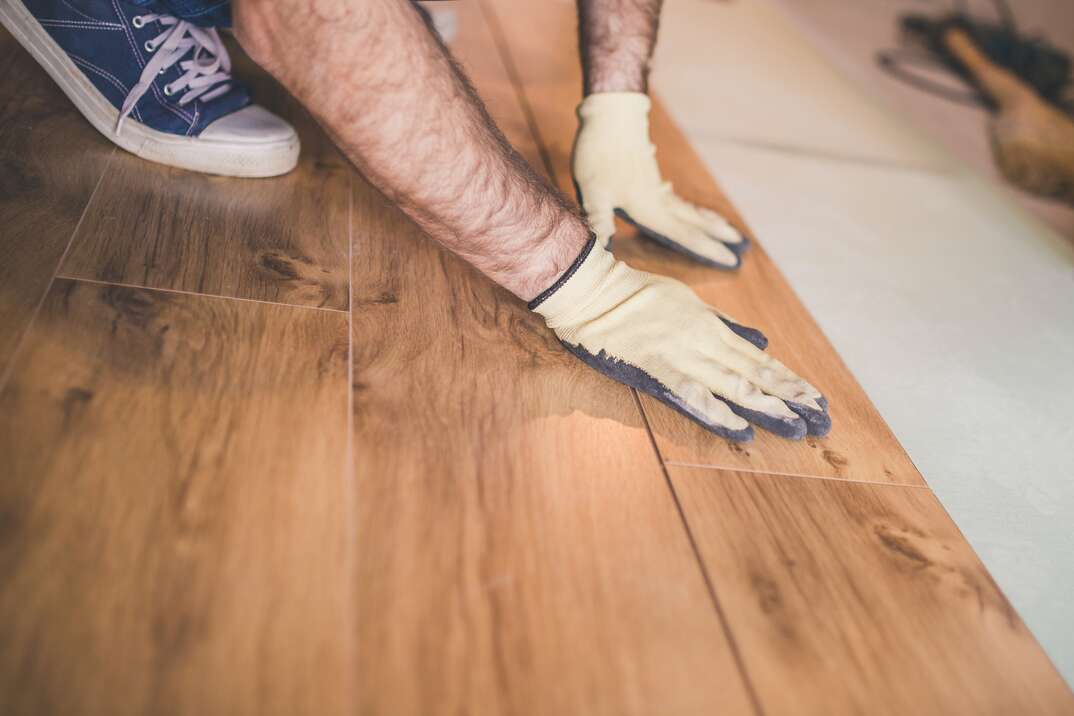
<point x="1003" y="86"/>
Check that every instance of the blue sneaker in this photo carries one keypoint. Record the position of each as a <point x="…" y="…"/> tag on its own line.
<point x="157" y="86"/>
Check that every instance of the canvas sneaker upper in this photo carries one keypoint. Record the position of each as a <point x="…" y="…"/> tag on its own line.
<point x="163" y="72"/>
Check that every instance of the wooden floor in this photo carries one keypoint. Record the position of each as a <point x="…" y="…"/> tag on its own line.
<point x="267" y="450"/>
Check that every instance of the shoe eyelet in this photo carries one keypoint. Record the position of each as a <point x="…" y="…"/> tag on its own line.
<point x="168" y="91"/>
<point x="149" y="46"/>
<point x="138" y="22"/>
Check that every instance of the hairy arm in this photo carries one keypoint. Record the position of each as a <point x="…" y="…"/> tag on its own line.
<point x="616" y="39"/>
<point x="390" y="95"/>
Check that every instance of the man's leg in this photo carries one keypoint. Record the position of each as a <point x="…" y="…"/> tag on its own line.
<point x="396" y="103"/>
<point x="614" y="162"/>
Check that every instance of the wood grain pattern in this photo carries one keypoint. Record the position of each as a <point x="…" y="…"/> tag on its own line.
<point x="475" y="49"/>
<point x="853" y="598"/>
<point x="518" y="548"/>
<point x="50" y="162"/>
<point x="173" y="508"/>
<point x="860" y="446"/>
<point x="282" y="239"/>
<point x="845" y="598"/>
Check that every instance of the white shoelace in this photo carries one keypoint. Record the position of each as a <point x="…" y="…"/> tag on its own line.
<point x="208" y="67"/>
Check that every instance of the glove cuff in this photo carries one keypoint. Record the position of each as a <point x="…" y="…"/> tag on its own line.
<point x="617" y="105"/>
<point x="577" y="285"/>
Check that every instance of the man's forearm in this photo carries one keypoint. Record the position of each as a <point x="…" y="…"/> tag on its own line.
<point x="395" y="102"/>
<point x="616" y="39"/>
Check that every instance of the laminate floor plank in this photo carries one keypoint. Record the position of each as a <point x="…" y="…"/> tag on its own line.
<point x="282" y="239"/>
<point x="174" y="511"/>
<point x="518" y="549"/>
<point x="542" y="40"/>
<point x="856" y="598"/>
<point x="843" y="597"/>
<point x="50" y="163"/>
<point x="475" y="48"/>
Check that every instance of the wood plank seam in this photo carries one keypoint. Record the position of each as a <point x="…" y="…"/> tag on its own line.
<point x="725" y="624"/>
<point x="350" y="488"/>
<point x="205" y="550"/>
<point x="6" y="374"/>
<point x="542" y="147"/>
<point x="862" y="433"/>
<point x="754" y="699"/>
<point x="508" y="61"/>
<point x="774" y="473"/>
<point x="516" y="81"/>
<point x="199" y="293"/>
<point x="484" y="563"/>
<point x="757" y="476"/>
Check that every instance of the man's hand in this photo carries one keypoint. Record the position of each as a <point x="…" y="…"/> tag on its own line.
<point x="653" y="333"/>
<point x="615" y="171"/>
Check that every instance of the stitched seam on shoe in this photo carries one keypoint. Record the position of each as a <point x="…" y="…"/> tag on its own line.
<point x="197" y="113"/>
<point x="129" y="34"/>
<point x="138" y="56"/>
<point x="80" y="24"/>
<point x="211" y="8"/>
<point x="174" y="110"/>
<point x="76" y="11"/>
<point x="106" y="75"/>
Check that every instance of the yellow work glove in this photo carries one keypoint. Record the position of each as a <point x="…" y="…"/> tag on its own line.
<point x="654" y="334"/>
<point x="615" y="172"/>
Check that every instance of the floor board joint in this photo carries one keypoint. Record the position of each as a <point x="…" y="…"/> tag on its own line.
<point x="6" y="374"/>
<point x="709" y="584"/>
<point x="520" y="91"/>
<point x="200" y="295"/>
<point x="772" y="473"/>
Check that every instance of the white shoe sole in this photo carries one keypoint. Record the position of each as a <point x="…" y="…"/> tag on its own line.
<point x="228" y="158"/>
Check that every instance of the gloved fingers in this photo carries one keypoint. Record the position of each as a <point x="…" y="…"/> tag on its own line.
<point x="680" y="236"/>
<point x="711" y="223"/>
<point x="774" y="378"/>
<point x="752" y="335"/>
<point x="689" y="397"/>
<point x="750" y="402"/>
<point x="767" y="373"/>
<point x="697" y="401"/>
<point x="818" y="422"/>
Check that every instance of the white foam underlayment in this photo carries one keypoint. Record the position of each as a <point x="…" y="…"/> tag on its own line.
<point x="949" y="300"/>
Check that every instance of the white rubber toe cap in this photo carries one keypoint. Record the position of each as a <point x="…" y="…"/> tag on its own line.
<point x="251" y="124"/>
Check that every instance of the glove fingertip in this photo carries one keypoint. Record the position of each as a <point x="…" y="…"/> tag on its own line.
<point x="752" y="335"/>
<point x="818" y="422"/>
<point x="668" y="243"/>
<point x="736" y="436"/>
<point x="637" y="378"/>
<point x="738" y="248"/>
<point x="789" y="428"/>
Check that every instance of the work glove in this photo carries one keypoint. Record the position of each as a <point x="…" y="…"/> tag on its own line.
<point x="615" y="172"/>
<point x="654" y="334"/>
